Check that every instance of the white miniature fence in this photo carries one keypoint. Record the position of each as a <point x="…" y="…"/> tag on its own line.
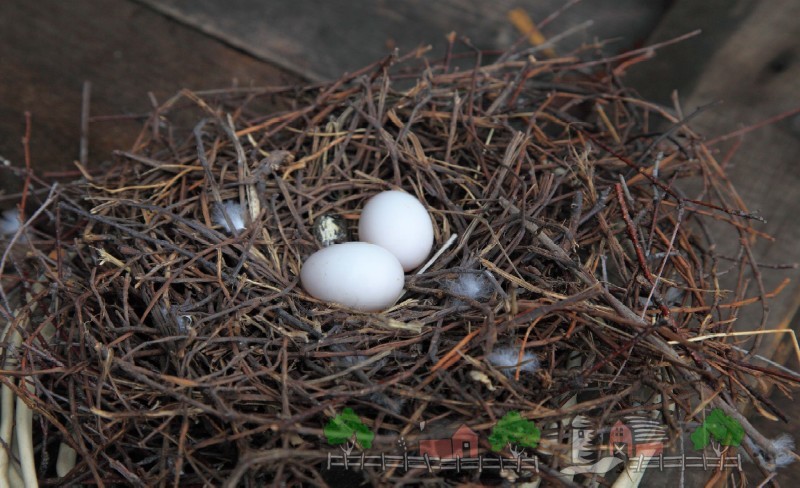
<point x="458" y="464"/>
<point x="481" y="463"/>
<point x="667" y="462"/>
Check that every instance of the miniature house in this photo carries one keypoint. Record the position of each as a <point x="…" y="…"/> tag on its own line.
<point x="639" y="437"/>
<point x="621" y="439"/>
<point x="462" y="444"/>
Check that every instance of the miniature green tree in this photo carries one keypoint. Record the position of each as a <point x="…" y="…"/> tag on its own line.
<point x="347" y="430"/>
<point x="719" y="426"/>
<point x="514" y="430"/>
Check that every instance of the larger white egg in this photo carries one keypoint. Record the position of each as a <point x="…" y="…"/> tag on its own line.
<point x="358" y="275"/>
<point x="398" y="222"/>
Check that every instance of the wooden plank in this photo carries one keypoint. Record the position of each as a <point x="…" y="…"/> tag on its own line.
<point x="49" y="47"/>
<point x="680" y="66"/>
<point x="322" y="39"/>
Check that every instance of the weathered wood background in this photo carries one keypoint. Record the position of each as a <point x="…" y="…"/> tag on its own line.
<point x="322" y="39"/>
<point x="126" y="50"/>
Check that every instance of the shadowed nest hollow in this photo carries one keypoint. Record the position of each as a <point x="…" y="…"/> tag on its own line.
<point x="182" y="353"/>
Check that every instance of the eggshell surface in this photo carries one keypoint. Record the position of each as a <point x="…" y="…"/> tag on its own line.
<point x="358" y="275"/>
<point x="397" y="221"/>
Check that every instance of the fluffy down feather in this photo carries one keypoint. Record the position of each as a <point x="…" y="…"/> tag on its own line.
<point x="235" y="214"/>
<point x="471" y="285"/>
<point x="9" y="222"/>
<point x="506" y="359"/>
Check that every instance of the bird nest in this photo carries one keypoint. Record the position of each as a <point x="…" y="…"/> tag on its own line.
<point x="571" y="275"/>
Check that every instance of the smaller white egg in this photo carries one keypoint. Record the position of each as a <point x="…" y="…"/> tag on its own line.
<point x="358" y="275"/>
<point x="398" y="222"/>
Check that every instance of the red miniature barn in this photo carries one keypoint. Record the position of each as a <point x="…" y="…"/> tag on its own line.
<point x="462" y="444"/>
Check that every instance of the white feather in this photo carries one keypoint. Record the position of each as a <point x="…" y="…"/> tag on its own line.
<point x="235" y="214"/>
<point x="507" y="360"/>
<point x="470" y="285"/>
<point x="783" y="446"/>
<point x="9" y="223"/>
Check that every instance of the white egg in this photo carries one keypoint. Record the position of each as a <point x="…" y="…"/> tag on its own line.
<point x="358" y="275"/>
<point x="398" y="222"/>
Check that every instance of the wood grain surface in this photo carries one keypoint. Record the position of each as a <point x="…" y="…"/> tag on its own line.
<point x="321" y="39"/>
<point x="48" y="48"/>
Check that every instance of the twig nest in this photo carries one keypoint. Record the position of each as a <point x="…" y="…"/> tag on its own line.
<point x="543" y="175"/>
<point x="398" y="222"/>
<point x="358" y="275"/>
